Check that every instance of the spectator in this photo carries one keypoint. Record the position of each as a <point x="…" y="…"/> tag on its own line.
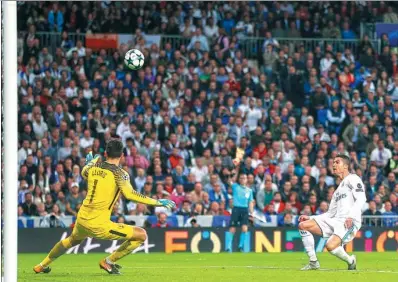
<point x="390" y="16"/>
<point x="45" y="56"/>
<point x="380" y="155"/>
<point x="279" y="206"/>
<point x="388" y="216"/>
<point x="178" y="195"/>
<point x="265" y="195"/>
<point x="336" y="117"/>
<point x="351" y="133"/>
<point x="162" y="221"/>
<point x="48" y="203"/>
<point x="285" y="193"/>
<point x="287" y="220"/>
<point x="199" y="37"/>
<point x="217" y="195"/>
<point x="24" y="151"/>
<point x="347" y="32"/>
<point x="394" y="202"/>
<point x="306" y="210"/>
<point x="270" y="58"/>
<point x="393" y="89"/>
<point x="61" y="202"/>
<point x="41" y="210"/>
<point x="185" y="208"/>
<point x="199" y="171"/>
<point x="323" y="208"/>
<point x="228" y="23"/>
<point x="140" y="180"/>
<point x="28" y="207"/>
<point x="331" y="31"/>
<point x="244" y="28"/>
<point x="197" y="194"/>
<point x="372" y="211"/>
<point x="270" y="40"/>
<point x="74" y="200"/>
<point x="23" y="175"/>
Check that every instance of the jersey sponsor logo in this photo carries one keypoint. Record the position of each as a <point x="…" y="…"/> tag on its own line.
<point x="341" y="196"/>
<point x="359" y="189"/>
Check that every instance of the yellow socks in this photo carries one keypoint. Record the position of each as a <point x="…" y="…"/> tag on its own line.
<point x="58" y="250"/>
<point x="62" y="246"/>
<point x="124" y="249"/>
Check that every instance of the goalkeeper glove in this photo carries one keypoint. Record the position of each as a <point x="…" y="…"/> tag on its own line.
<point x="167" y="203"/>
<point x="89" y="157"/>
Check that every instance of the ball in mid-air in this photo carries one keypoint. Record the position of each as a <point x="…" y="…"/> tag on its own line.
<point x="134" y="59"/>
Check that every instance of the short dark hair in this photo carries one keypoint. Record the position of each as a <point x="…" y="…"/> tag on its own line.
<point x="114" y="149"/>
<point x="346" y="159"/>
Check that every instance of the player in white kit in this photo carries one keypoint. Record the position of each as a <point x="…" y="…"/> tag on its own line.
<point x="341" y="222"/>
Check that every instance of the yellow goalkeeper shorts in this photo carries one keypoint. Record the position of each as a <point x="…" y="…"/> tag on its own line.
<point x="105" y="231"/>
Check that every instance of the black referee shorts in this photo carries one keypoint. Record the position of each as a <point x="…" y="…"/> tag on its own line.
<point x="239" y="217"/>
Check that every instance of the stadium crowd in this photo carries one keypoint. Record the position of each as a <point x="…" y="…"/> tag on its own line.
<point x="189" y="115"/>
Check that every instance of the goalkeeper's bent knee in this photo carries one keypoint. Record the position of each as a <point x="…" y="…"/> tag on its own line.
<point x="70" y="242"/>
<point x="139" y="235"/>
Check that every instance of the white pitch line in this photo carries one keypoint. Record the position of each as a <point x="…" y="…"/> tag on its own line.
<point x="242" y="266"/>
<point x="259" y="267"/>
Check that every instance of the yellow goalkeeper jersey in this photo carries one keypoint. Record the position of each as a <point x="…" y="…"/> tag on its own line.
<point x="105" y="183"/>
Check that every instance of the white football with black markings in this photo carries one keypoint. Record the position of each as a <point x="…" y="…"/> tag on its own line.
<point x="134" y="59"/>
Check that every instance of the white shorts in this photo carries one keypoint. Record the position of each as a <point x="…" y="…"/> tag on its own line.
<point x="333" y="226"/>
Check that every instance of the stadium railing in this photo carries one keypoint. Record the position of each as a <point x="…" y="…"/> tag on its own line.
<point x="52" y="40"/>
<point x="184" y="221"/>
<point x="251" y="46"/>
<point x="368" y="29"/>
<point x="380" y="221"/>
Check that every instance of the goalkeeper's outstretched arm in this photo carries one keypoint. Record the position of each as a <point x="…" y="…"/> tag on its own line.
<point x="123" y="182"/>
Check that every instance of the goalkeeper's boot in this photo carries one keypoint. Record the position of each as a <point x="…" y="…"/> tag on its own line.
<point x="40" y="269"/>
<point x="313" y="265"/>
<point x="353" y="265"/>
<point x="110" y="268"/>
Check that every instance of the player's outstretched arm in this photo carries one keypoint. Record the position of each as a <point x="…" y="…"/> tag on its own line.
<point x="129" y="193"/>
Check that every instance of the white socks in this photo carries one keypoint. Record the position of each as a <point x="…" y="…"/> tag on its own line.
<point x="309" y="244"/>
<point x="341" y="254"/>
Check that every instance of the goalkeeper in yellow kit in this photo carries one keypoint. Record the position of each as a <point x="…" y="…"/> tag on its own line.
<point x="106" y="181"/>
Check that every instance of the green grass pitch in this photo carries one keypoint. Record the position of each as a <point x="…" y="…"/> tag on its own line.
<point x="206" y="267"/>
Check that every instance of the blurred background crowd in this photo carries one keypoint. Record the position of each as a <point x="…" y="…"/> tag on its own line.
<point x="187" y="112"/>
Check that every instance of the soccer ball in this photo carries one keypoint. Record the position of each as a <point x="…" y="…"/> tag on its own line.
<point x="134" y="59"/>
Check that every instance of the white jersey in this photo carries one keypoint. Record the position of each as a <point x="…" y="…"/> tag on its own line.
<point x="348" y="200"/>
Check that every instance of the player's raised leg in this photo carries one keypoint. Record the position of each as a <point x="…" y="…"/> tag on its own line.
<point x="307" y="227"/>
<point x="132" y="241"/>
<point x="58" y="250"/>
<point x="79" y="233"/>
<point x="334" y="246"/>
